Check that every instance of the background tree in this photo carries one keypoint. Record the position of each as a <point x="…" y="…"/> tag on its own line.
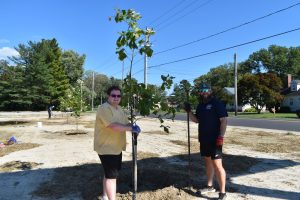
<point x="44" y="77"/>
<point x="72" y="64"/>
<point x="219" y="78"/>
<point x="260" y="90"/>
<point x="13" y="93"/>
<point x="275" y="59"/>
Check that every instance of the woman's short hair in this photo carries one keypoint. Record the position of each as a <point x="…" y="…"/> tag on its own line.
<point x="111" y="88"/>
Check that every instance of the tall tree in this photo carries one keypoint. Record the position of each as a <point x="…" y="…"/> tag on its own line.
<point x="72" y="64"/>
<point x="260" y="90"/>
<point x="276" y="59"/>
<point x="13" y="93"/>
<point x="44" y="76"/>
<point x="218" y="77"/>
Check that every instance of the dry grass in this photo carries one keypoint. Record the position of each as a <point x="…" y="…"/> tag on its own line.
<point x="264" y="142"/>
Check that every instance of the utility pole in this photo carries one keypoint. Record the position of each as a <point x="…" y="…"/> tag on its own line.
<point x="123" y="71"/>
<point x="235" y="87"/>
<point x="146" y="62"/>
<point x="93" y="87"/>
<point x="81" y="95"/>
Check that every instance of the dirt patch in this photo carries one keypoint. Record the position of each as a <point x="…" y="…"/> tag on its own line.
<point x="194" y="145"/>
<point x="143" y="155"/>
<point x="73" y="132"/>
<point x="5" y="123"/>
<point x="17" y="165"/>
<point x="264" y="142"/>
<point x="16" y="147"/>
<point x="157" y="132"/>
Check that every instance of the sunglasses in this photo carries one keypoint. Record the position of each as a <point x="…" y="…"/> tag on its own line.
<point x="204" y="90"/>
<point x="115" y="95"/>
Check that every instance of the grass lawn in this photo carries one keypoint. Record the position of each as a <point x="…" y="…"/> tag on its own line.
<point x="267" y="115"/>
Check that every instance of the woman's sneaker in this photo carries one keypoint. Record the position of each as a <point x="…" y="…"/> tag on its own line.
<point x="207" y="189"/>
<point x="222" y="196"/>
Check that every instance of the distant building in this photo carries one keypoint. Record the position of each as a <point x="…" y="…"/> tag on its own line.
<point x="292" y="94"/>
<point x="230" y="106"/>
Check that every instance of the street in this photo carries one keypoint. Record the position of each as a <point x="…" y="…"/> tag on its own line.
<point x="275" y="124"/>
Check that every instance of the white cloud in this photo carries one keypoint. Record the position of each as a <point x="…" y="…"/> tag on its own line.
<point x="4" y="41"/>
<point x="7" y="51"/>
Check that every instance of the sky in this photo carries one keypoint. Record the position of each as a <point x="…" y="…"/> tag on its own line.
<point x="84" y="27"/>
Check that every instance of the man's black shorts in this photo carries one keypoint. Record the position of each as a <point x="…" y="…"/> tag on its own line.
<point x="211" y="150"/>
<point x="111" y="165"/>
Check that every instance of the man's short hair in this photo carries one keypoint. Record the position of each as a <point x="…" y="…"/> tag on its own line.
<point x="111" y="88"/>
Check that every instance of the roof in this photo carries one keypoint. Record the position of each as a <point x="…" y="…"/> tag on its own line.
<point x="229" y="90"/>
<point x="293" y="94"/>
<point x="297" y="81"/>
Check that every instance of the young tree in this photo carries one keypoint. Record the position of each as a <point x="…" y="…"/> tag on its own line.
<point x="141" y="98"/>
<point x="72" y="101"/>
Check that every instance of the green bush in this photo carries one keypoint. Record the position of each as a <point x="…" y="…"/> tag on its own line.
<point x="250" y="110"/>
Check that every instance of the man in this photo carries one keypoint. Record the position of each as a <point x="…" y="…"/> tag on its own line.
<point x="211" y="115"/>
<point x="110" y="139"/>
<point x="50" y="108"/>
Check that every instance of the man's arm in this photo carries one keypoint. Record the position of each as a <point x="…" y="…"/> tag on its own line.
<point x="223" y="126"/>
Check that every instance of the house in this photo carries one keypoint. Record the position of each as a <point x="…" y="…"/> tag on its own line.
<point x="292" y="99"/>
<point x="230" y="106"/>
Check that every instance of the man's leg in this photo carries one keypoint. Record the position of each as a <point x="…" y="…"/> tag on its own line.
<point x="109" y="188"/>
<point x="209" y="170"/>
<point x="220" y="174"/>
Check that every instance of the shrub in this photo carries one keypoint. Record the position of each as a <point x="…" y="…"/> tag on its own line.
<point x="248" y="110"/>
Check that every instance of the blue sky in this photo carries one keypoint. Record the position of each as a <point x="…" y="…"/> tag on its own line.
<point x="83" y="26"/>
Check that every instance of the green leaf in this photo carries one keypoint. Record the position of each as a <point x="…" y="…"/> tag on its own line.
<point x="122" y="55"/>
<point x="148" y="51"/>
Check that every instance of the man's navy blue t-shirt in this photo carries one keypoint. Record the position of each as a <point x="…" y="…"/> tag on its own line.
<point x="208" y="116"/>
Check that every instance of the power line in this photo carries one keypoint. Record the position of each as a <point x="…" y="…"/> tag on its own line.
<point x="224" y="49"/>
<point x="229" y="29"/>
<point x="168" y="11"/>
<point x="178" y="12"/>
<point x="188" y="13"/>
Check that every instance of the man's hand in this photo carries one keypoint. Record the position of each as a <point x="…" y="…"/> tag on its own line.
<point x="136" y="130"/>
<point x="220" y="141"/>
<point x="187" y="107"/>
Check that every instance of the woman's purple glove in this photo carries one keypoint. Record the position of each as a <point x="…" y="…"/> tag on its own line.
<point x="136" y="129"/>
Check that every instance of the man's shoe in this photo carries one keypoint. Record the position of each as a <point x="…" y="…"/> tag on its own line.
<point x="207" y="189"/>
<point x="222" y="196"/>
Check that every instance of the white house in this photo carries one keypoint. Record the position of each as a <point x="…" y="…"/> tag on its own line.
<point x="292" y="99"/>
<point x="230" y="106"/>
